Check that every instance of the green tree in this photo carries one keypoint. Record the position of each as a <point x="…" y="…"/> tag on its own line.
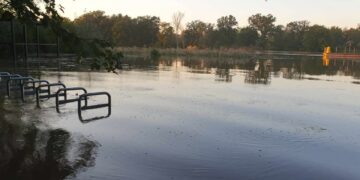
<point x="276" y="38"/>
<point x="226" y="31"/>
<point x="46" y="13"/>
<point x="352" y="38"/>
<point x="337" y="38"/>
<point x="94" y="25"/>
<point x="316" y="38"/>
<point x="146" y="31"/>
<point x="196" y="33"/>
<point x="166" y="35"/>
<point x="247" y="36"/>
<point x="264" y="25"/>
<point x="141" y="31"/>
<point x="294" y="35"/>
<point x="122" y="30"/>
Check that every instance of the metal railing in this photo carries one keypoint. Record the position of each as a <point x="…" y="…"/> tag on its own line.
<point x="42" y="90"/>
<point x="48" y="95"/>
<point x="66" y="100"/>
<point x="18" y="85"/>
<point x="96" y="106"/>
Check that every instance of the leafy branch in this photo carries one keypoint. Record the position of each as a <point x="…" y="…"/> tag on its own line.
<point x="29" y="12"/>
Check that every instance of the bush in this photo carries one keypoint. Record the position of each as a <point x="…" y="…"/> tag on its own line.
<point x="155" y="54"/>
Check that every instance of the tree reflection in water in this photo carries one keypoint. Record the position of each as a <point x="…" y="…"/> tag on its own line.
<point x="30" y="152"/>
<point x="261" y="73"/>
<point x="290" y="67"/>
<point x="293" y="72"/>
<point x="223" y="75"/>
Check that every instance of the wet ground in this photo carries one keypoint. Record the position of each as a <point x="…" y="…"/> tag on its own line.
<point x="193" y="119"/>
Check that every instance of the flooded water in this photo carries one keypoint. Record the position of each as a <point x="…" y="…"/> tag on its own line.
<point x="193" y="119"/>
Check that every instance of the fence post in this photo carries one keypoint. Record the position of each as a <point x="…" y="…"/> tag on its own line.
<point x="58" y="52"/>
<point x="25" y="46"/>
<point x="57" y="46"/>
<point x="37" y="41"/>
<point x="13" y="43"/>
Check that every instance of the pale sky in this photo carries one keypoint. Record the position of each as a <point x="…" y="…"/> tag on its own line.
<point x="343" y="13"/>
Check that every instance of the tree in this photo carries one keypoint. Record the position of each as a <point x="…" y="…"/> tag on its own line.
<point x="94" y="25"/>
<point x="276" y="39"/>
<point x="247" y="36"/>
<point x="294" y="35"/>
<point x="264" y="25"/>
<point x="177" y="22"/>
<point x="31" y="11"/>
<point x="122" y="30"/>
<point x="146" y="30"/>
<point x="316" y="38"/>
<point x="45" y="12"/>
<point x="226" y="32"/>
<point x="352" y="38"/>
<point x="196" y="33"/>
<point x="166" y="36"/>
<point x="226" y="22"/>
<point x="337" y="38"/>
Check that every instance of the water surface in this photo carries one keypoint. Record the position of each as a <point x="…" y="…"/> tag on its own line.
<point x="194" y="119"/>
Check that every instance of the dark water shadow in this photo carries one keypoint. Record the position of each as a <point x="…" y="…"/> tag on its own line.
<point x="32" y="150"/>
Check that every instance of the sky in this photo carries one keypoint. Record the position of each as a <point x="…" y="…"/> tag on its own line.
<point x="342" y="13"/>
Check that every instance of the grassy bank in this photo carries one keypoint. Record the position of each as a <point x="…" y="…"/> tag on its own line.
<point x="189" y="52"/>
<point x="213" y="53"/>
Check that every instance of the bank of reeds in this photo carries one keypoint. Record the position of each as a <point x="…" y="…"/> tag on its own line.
<point x="222" y="53"/>
<point x="189" y="52"/>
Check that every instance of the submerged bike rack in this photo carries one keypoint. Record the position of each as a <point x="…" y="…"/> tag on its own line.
<point x="19" y="81"/>
<point x="8" y="76"/>
<point x="65" y="101"/>
<point x="24" y="86"/>
<point x="97" y="106"/>
<point x="4" y="73"/>
<point x="42" y="90"/>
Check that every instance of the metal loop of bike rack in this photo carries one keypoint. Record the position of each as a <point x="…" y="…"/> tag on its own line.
<point x="25" y="89"/>
<point x="4" y="76"/>
<point x="65" y="101"/>
<point x="88" y="107"/>
<point x="22" y="82"/>
<point x="40" y="91"/>
<point x="4" y="73"/>
<point x="8" y="76"/>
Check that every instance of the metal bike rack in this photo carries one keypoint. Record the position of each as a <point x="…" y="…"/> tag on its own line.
<point x="33" y="87"/>
<point x="20" y="81"/>
<point x="48" y="95"/>
<point x="42" y="89"/>
<point x="9" y="76"/>
<point x="4" y="73"/>
<point x="88" y="107"/>
<point x="4" y="76"/>
<point x="65" y="101"/>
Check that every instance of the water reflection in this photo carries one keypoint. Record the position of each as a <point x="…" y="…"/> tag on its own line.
<point x="223" y="75"/>
<point x="261" y="73"/>
<point x="294" y="72"/>
<point x="31" y="150"/>
<point x="257" y="71"/>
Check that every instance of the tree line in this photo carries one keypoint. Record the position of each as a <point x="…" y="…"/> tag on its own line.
<point x="261" y="33"/>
